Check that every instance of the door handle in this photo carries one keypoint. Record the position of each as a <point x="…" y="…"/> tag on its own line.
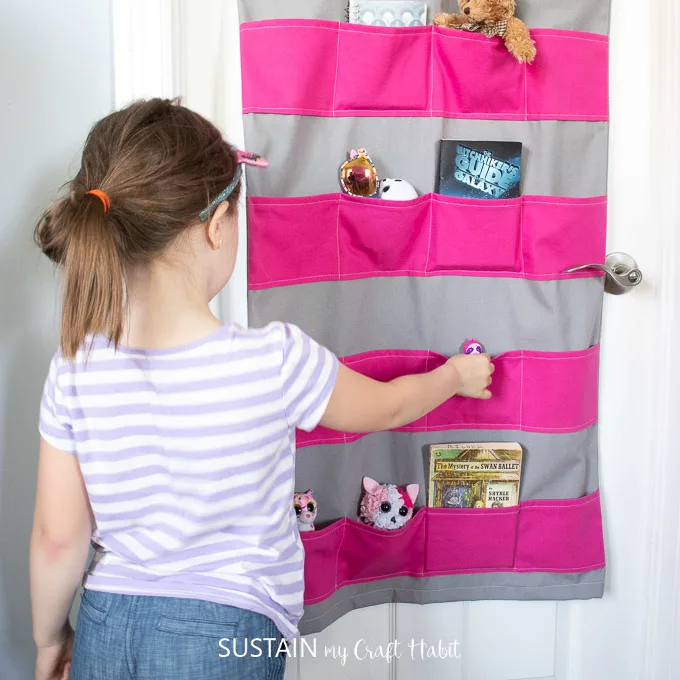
<point x="622" y="273"/>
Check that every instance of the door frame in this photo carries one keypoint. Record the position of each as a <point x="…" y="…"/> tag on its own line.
<point x="662" y="642"/>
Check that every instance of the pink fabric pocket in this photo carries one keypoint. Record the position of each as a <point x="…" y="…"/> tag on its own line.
<point x="561" y="536"/>
<point x="477" y="539"/>
<point x="337" y="237"/>
<point x="377" y="236"/>
<point x="560" y="388"/>
<point x="382" y="69"/>
<point x="569" y="80"/>
<point x="532" y="392"/>
<point x="503" y="411"/>
<point x="324" y="68"/>
<point x="562" y="233"/>
<point x="476" y="235"/>
<point x="474" y="77"/>
<point x="322" y="549"/>
<point x="288" y="233"/>
<point x="535" y="536"/>
<point x="289" y="64"/>
<point x="369" y="553"/>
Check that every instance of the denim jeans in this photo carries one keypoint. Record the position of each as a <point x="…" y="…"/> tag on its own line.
<point x="126" y="637"/>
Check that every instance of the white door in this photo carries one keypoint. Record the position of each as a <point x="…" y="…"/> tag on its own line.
<point x="171" y="47"/>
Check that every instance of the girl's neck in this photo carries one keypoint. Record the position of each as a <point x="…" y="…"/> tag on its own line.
<point x="167" y="308"/>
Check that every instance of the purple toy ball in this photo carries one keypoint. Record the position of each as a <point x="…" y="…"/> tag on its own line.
<point x="473" y="347"/>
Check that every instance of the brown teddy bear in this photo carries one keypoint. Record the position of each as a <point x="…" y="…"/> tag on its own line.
<point x="491" y="18"/>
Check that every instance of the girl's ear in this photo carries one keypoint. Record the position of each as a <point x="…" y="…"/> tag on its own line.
<point x="213" y="233"/>
<point x="371" y="485"/>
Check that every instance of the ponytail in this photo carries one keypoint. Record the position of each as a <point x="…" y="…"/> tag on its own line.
<point x="162" y="164"/>
<point x="77" y="234"/>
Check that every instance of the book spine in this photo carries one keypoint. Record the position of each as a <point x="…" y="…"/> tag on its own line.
<point x="353" y="12"/>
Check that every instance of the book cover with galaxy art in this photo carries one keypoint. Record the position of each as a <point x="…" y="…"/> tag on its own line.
<point x="470" y="169"/>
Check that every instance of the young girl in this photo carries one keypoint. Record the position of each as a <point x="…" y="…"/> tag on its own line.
<point x="167" y="438"/>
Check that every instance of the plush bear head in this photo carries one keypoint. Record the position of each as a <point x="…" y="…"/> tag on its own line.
<point x="487" y="10"/>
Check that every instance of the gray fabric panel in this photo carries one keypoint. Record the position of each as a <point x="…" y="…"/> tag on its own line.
<point x="461" y="587"/>
<point x="305" y="152"/>
<point x="555" y="466"/>
<point x="350" y="317"/>
<point x="576" y="15"/>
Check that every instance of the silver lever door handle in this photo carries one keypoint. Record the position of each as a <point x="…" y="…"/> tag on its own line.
<point x="622" y="272"/>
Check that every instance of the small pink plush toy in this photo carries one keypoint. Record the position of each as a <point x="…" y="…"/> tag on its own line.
<point x="472" y="347"/>
<point x="305" y="510"/>
<point x="387" y="506"/>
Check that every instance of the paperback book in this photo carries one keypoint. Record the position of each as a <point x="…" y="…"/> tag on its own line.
<point x="470" y="169"/>
<point x="475" y="475"/>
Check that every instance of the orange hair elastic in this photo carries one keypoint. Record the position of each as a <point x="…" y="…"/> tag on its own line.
<point x="103" y="197"/>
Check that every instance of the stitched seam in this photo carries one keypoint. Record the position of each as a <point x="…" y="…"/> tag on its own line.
<point x="427" y="370"/>
<point x="130" y="658"/>
<point x="432" y="37"/>
<point x="521" y="238"/>
<point x="518" y="356"/>
<point x="399" y="533"/>
<point x="337" y="555"/>
<point x="337" y="68"/>
<point x="521" y="388"/>
<point x="526" y="96"/>
<point x="337" y="238"/>
<point x="443" y="32"/>
<point x="423" y="113"/>
<point x="456" y="426"/>
<point x="462" y="570"/>
<point x="566" y="504"/>
<point x="429" y="239"/>
<point x="318" y="536"/>
<point x="314" y="27"/>
<point x="458" y="588"/>
<point x="486" y="273"/>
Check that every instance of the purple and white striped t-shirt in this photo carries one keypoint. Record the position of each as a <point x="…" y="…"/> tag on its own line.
<point x="188" y="457"/>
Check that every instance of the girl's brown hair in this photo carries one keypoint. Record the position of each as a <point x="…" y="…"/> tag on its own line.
<point x="160" y="164"/>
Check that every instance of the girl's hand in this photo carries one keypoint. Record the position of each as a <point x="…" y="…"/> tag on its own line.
<point x="474" y="374"/>
<point x="54" y="662"/>
<point x="360" y="404"/>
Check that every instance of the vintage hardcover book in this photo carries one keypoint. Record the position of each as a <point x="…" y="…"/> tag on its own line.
<point x="479" y="169"/>
<point x="475" y="475"/>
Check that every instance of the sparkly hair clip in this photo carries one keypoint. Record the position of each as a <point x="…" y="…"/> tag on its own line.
<point x="242" y="158"/>
<point x="249" y="158"/>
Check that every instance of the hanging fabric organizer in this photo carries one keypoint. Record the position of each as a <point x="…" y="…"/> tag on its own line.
<point x="395" y="287"/>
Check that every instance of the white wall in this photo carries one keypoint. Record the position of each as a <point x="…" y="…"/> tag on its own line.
<point x="55" y="82"/>
<point x="171" y="48"/>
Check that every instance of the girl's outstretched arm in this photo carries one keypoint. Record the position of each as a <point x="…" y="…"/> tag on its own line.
<point x="62" y="528"/>
<point x="360" y="404"/>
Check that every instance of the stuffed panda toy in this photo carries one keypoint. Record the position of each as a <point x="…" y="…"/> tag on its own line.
<point x="397" y="190"/>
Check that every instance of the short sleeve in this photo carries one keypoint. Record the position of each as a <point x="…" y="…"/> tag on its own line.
<point x="309" y="372"/>
<point x="55" y="424"/>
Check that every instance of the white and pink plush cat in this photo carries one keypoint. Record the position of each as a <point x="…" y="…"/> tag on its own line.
<point x="305" y="510"/>
<point x="387" y="506"/>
